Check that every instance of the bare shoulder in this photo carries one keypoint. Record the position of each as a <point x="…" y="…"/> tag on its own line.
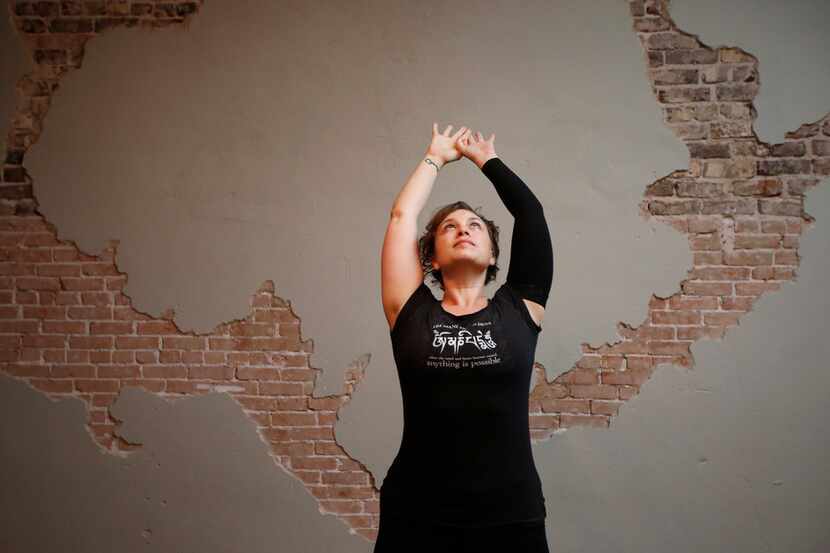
<point x="537" y="311"/>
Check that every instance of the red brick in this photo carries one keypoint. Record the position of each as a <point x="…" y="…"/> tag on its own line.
<point x="627" y="392"/>
<point x="707" y="288"/>
<point x="298" y="374"/>
<point x="40" y="341"/>
<point x="308" y="476"/>
<point x="156" y="327"/>
<point x="37" y="283"/>
<point x="728" y="319"/>
<point x="293" y="419"/>
<point x="786" y="258"/>
<point x="53" y="386"/>
<point x="345" y="464"/>
<point x="146" y="357"/>
<point x="359" y="521"/>
<point x="211" y="372"/>
<point x="257" y="373"/>
<point x="72" y="371"/>
<point x="281" y="388"/>
<point x="53" y="327"/>
<point x="257" y="403"/>
<point x="300" y="360"/>
<point x="298" y="434"/>
<point x="320" y="463"/>
<point x="257" y="344"/>
<point x="601" y="391"/>
<point x="119" y="371"/>
<point x="664" y="348"/>
<point x="183" y="342"/>
<point x="565" y="405"/>
<point x="631" y="346"/>
<point x="250" y="329"/>
<point x="182" y="386"/>
<point x="341" y="492"/>
<point x="329" y="448"/>
<point x="136" y="342"/>
<point x="328" y="403"/>
<point x="96" y="386"/>
<point x="164" y="371"/>
<point x="149" y="385"/>
<point x="610" y="408"/>
<point x="578" y="376"/>
<point x="592" y="421"/>
<point x="110" y="328"/>
<point x="292" y="403"/>
<point x="342" y="506"/>
<point x="170" y="357"/>
<point x="91" y="311"/>
<point x="195" y="358"/>
<point x="675" y="317"/>
<point x="294" y="449"/>
<point x="737" y="303"/>
<point x="647" y="332"/>
<point x="679" y="302"/>
<point x="352" y="477"/>
<point x="755" y="288"/>
<point x="630" y="376"/>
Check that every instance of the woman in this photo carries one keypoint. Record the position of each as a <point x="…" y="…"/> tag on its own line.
<point x="464" y="477"/>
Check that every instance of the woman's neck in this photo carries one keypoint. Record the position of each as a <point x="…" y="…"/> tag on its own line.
<point x="464" y="298"/>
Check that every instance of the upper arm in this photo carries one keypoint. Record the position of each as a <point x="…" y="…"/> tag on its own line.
<point x="531" y="262"/>
<point x="536" y="311"/>
<point x="400" y="264"/>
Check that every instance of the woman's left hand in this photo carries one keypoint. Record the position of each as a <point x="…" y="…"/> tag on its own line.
<point x="443" y="145"/>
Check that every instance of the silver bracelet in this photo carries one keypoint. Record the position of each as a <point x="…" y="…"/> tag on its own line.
<point x="430" y="162"/>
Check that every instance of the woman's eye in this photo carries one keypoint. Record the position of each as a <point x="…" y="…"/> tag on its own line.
<point x="476" y="224"/>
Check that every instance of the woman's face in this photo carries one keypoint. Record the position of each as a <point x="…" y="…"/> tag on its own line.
<point x="462" y="238"/>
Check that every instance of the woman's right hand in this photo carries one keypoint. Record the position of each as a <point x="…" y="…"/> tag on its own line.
<point x="475" y="148"/>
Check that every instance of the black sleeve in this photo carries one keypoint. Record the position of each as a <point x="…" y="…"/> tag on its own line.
<point x="531" y="252"/>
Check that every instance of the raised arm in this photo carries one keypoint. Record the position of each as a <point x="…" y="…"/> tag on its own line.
<point x="531" y="251"/>
<point x="401" y="271"/>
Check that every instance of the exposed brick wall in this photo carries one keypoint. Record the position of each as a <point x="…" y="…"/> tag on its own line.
<point x="67" y="329"/>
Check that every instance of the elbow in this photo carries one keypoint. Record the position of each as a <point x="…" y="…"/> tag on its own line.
<point x="398" y="214"/>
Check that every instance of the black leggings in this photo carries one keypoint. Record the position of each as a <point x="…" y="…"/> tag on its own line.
<point x="397" y="535"/>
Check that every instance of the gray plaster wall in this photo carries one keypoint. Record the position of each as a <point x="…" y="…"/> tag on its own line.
<point x="268" y="141"/>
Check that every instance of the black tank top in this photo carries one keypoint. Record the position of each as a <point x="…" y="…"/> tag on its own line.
<point x="465" y="457"/>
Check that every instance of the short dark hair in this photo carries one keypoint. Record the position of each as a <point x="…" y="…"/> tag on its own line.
<point x="426" y="243"/>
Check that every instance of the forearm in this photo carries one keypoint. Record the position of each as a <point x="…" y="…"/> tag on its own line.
<point x="514" y="193"/>
<point x="415" y="193"/>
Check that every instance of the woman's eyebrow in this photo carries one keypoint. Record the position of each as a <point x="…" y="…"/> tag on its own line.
<point x="474" y="218"/>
